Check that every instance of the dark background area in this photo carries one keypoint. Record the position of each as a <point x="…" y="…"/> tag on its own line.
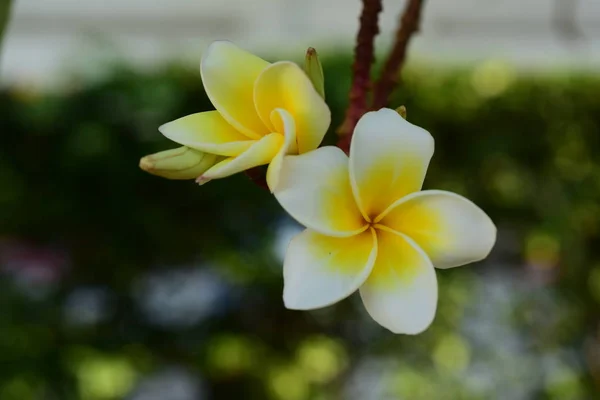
<point x="118" y="284"/>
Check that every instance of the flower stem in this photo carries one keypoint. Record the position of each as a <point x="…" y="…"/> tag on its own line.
<point x="361" y="70"/>
<point x="258" y="176"/>
<point x="390" y="76"/>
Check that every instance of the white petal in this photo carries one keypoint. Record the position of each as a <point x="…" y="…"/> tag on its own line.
<point x="450" y="228"/>
<point x="389" y="157"/>
<point x="401" y="292"/>
<point x="314" y="188"/>
<point x="321" y="270"/>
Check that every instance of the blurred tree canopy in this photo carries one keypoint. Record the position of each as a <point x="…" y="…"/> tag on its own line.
<point x="117" y="284"/>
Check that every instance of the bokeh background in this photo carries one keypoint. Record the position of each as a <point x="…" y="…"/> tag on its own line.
<point x="115" y="284"/>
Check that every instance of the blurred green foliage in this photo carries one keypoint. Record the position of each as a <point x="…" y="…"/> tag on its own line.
<point x="5" y="6"/>
<point x="115" y="280"/>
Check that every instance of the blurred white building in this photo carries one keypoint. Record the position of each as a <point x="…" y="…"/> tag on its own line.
<point x="46" y="38"/>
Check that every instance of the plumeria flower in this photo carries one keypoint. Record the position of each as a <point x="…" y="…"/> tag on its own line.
<point x="369" y="227"/>
<point x="263" y="112"/>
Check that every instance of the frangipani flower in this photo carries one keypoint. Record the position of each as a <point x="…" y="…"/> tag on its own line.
<point x="369" y="227"/>
<point x="263" y="112"/>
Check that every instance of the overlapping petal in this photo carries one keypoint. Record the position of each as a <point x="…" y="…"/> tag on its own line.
<point x="389" y="157"/>
<point x="208" y="132"/>
<point x="448" y="227"/>
<point x="320" y="270"/>
<point x="260" y="153"/>
<point x="228" y="74"/>
<point x="284" y="85"/>
<point x="314" y="188"/>
<point x="285" y="124"/>
<point x="401" y="292"/>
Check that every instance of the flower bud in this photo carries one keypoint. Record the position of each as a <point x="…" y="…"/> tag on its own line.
<point x="402" y="111"/>
<point x="314" y="70"/>
<point x="179" y="163"/>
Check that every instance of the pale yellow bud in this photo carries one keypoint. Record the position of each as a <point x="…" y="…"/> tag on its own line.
<point x="180" y="163"/>
<point x="314" y="70"/>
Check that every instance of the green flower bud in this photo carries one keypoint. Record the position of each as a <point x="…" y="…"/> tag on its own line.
<point x="180" y="163"/>
<point x="314" y="70"/>
<point x="402" y="111"/>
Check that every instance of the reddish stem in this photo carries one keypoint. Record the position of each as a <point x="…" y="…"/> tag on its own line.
<point x="258" y="176"/>
<point x="390" y="76"/>
<point x="361" y="70"/>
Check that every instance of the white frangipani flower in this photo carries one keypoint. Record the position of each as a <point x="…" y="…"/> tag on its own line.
<point x="371" y="228"/>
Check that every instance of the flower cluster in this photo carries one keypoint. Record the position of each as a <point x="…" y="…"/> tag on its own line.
<point x="369" y="226"/>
